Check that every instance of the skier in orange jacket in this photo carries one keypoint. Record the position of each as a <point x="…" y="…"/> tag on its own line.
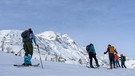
<point x="116" y="59"/>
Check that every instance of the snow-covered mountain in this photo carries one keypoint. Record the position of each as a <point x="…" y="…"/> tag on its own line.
<point x="53" y="47"/>
<point x="62" y="46"/>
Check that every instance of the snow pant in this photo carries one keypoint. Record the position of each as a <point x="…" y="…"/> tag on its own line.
<point x="91" y="56"/>
<point x="123" y="64"/>
<point x="111" y="58"/>
<point x="28" y="48"/>
<point x="117" y="63"/>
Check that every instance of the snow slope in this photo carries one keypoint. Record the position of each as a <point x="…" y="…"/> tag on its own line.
<point x="54" y="68"/>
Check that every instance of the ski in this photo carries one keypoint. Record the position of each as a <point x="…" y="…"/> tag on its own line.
<point x="35" y="65"/>
<point x="109" y="69"/>
<point x="93" y="67"/>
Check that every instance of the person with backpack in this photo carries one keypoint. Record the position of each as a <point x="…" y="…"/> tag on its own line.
<point x="123" y="59"/>
<point x="111" y="50"/>
<point x="116" y="58"/>
<point x="28" y="37"/>
<point x="92" y="54"/>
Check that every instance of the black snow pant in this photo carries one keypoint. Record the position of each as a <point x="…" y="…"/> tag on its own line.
<point x="123" y="64"/>
<point x="111" y="58"/>
<point x="91" y="56"/>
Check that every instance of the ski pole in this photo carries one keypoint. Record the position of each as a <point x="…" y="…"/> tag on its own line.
<point x="19" y="52"/>
<point x="40" y="56"/>
<point x="104" y="57"/>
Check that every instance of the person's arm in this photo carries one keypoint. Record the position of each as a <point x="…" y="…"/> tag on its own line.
<point x="120" y="58"/>
<point x="115" y="51"/>
<point x="106" y="51"/>
<point x="33" y="38"/>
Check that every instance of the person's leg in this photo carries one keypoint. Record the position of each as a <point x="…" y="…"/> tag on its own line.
<point x="25" y="47"/>
<point x="30" y="48"/>
<point x="110" y="58"/>
<point x="91" y="56"/>
<point x="118" y="63"/>
<point x="113" y="62"/>
<point x="124" y="64"/>
<point x="96" y="60"/>
<point x="26" y="53"/>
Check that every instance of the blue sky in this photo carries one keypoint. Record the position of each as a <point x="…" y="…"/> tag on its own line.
<point x="100" y="22"/>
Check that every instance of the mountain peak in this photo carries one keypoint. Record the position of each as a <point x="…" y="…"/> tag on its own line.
<point x="65" y="36"/>
<point x="49" y="35"/>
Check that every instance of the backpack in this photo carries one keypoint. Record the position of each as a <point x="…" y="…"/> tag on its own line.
<point x="26" y="36"/>
<point x="88" y="48"/>
<point x="124" y="58"/>
<point x="111" y="49"/>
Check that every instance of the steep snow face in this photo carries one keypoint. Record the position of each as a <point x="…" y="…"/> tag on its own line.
<point x="67" y="38"/>
<point x="49" y="35"/>
<point x="61" y="45"/>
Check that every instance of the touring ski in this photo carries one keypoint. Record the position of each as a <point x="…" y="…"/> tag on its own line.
<point x="35" y="65"/>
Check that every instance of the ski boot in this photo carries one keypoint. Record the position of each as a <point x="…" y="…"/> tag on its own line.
<point x="27" y="60"/>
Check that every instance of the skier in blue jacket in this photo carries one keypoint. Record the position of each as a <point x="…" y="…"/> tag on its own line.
<point x="92" y="54"/>
<point x="122" y="61"/>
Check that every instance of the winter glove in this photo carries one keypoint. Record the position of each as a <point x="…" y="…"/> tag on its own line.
<point x="36" y="45"/>
<point x="104" y="52"/>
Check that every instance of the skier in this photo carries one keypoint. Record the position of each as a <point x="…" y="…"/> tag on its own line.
<point x="122" y="58"/>
<point x="92" y="54"/>
<point x="111" y="50"/>
<point x="28" y="37"/>
<point x="116" y="58"/>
